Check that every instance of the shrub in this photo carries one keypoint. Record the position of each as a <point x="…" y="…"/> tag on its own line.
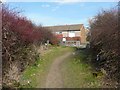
<point x="104" y="41"/>
<point x="18" y="36"/>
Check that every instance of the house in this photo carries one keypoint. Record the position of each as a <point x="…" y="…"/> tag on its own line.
<point x="70" y="35"/>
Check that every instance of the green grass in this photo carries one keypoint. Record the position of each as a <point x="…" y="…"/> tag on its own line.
<point x="36" y="74"/>
<point x="77" y="73"/>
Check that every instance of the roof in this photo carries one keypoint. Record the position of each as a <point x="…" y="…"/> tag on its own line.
<point x="73" y="27"/>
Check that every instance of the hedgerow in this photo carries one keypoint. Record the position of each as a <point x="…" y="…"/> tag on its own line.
<point x="18" y="37"/>
<point x="104" y="42"/>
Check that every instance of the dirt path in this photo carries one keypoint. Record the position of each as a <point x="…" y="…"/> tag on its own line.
<point x="54" y="78"/>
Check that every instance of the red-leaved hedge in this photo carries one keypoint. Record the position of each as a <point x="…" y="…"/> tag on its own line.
<point x="18" y="36"/>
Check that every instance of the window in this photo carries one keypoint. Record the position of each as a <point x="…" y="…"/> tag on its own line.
<point x="58" y="32"/>
<point x="71" y="33"/>
<point x="64" y="39"/>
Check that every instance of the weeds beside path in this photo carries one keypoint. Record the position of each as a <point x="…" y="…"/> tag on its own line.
<point x="61" y="67"/>
<point x="77" y="72"/>
<point x="37" y="75"/>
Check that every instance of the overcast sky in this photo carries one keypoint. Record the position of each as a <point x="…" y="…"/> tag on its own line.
<point x="59" y="13"/>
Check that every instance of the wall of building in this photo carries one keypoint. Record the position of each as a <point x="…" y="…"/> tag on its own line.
<point x="71" y="34"/>
<point x="65" y="34"/>
<point x="77" y="33"/>
<point x="83" y="35"/>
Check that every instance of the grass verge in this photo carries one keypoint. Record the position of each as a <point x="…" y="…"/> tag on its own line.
<point x="77" y="73"/>
<point x="34" y="76"/>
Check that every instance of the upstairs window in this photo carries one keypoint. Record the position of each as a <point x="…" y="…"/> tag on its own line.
<point x="71" y="33"/>
<point x="58" y="32"/>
